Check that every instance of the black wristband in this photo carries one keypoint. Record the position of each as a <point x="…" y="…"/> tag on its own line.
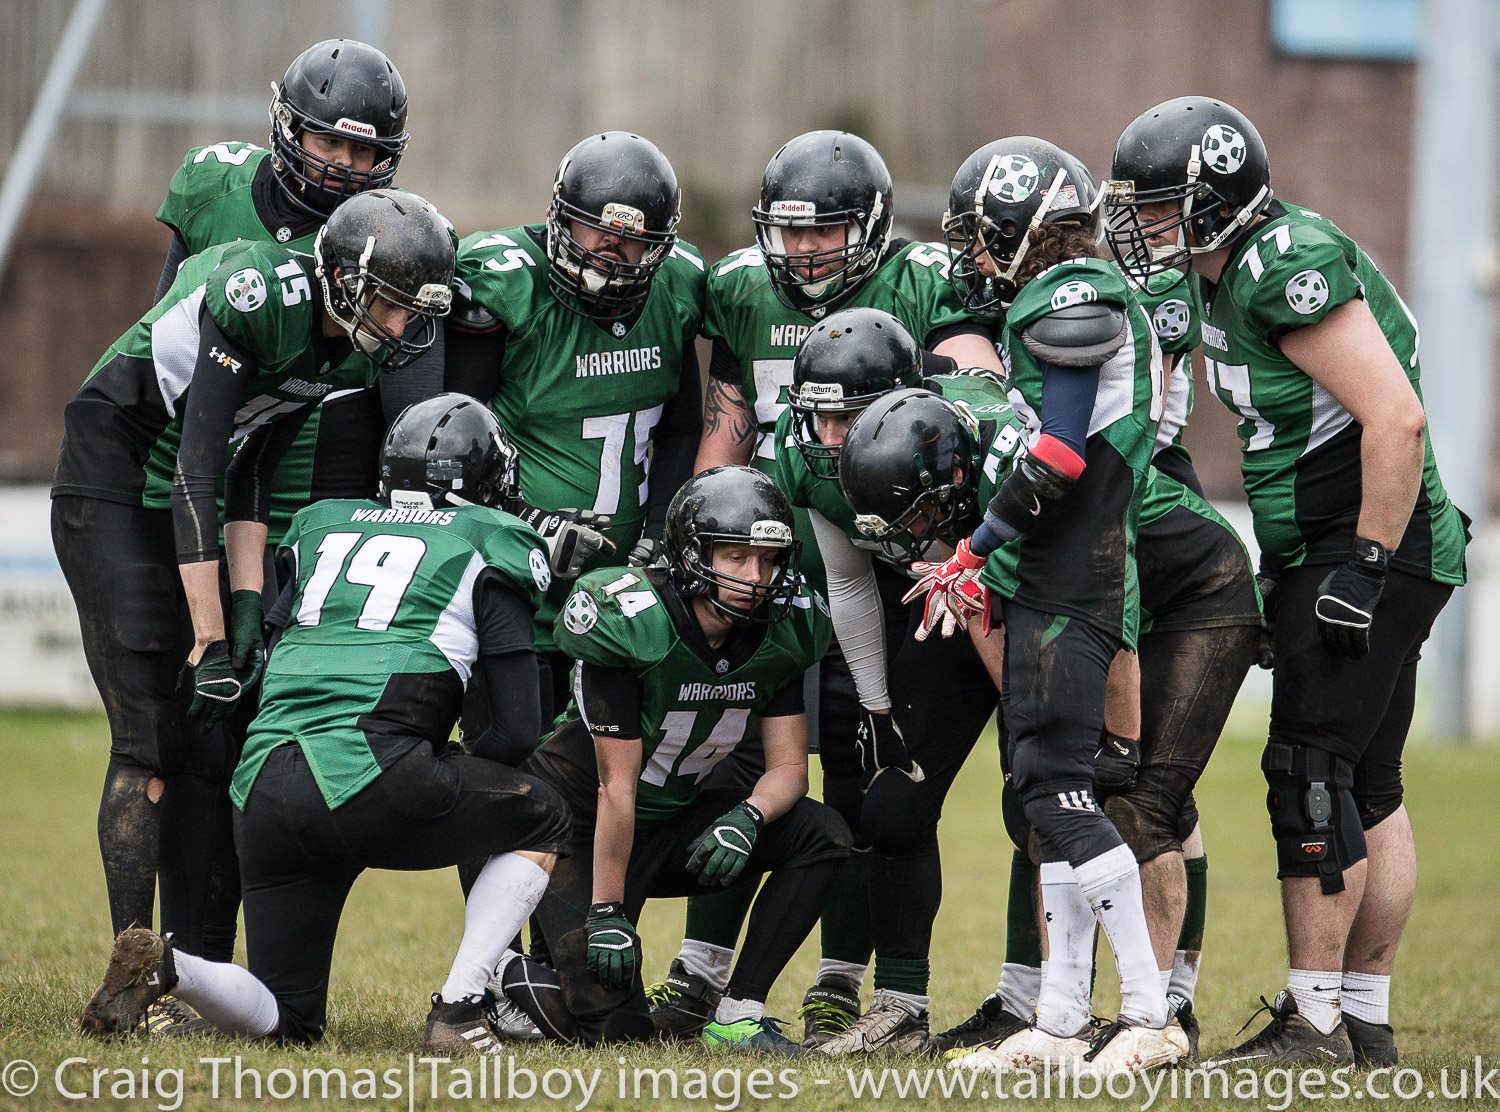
<point x="606" y="910"/>
<point x="754" y="813"/>
<point x="1370" y="556"/>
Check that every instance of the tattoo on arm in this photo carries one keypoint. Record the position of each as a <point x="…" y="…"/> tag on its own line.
<point x="725" y="406"/>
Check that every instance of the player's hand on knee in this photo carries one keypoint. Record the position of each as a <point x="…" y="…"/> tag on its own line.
<point x="216" y="685"/>
<point x="614" y="947"/>
<point x="1347" y="599"/>
<point x="882" y="748"/>
<point x="720" y="855"/>
<point x="246" y="638"/>
<point x="1116" y="763"/>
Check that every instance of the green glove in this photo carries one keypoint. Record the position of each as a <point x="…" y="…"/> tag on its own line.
<point x="720" y="855"/>
<point x="216" y="686"/>
<point x="249" y="647"/>
<point x="614" y="947"/>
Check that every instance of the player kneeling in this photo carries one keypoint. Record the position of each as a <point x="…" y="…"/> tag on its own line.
<point x="392" y="605"/>
<point x="676" y="666"/>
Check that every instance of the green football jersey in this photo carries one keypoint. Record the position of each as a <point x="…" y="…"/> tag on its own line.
<point x="380" y="593"/>
<point x="1301" y="448"/>
<point x="580" y="398"/>
<point x="211" y="201"/>
<point x="1079" y="559"/>
<point x="260" y="297"/>
<point x="983" y="395"/>
<point x="1168" y="301"/>
<point x="694" y="712"/>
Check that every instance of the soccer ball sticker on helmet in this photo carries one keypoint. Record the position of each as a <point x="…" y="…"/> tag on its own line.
<point x="1223" y="149"/>
<point x="1171" y="319"/>
<point x="246" y="290"/>
<point x="1014" y="177"/>
<point x="541" y="574"/>
<point x="1307" y="292"/>
<point x="581" y="613"/>
<point x="1073" y="293"/>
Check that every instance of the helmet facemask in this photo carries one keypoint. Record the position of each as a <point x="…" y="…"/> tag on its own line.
<point x="599" y="286"/>
<point x="349" y="295"/>
<point x="792" y="275"/>
<point x="768" y="601"/>
<point x="316" y="184"/>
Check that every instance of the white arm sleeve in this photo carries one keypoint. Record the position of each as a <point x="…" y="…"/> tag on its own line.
<point x="858" y="614"/>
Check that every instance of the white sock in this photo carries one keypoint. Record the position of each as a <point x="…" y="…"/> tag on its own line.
<point x="1185" y="973"/>
<point x="504" y="895"/>
<point x="1165" y="975"/>
<point x="1019" y="987"/>
<point x="732" y="1010"/>
<point x="911" y="1001"/>
<point x="230" y="998"/>
<point x="1112" y="884"/>
<point x="1317" y="996"/>
<point x="1063" y="1002"/>
<point x="1366" y="996"/>
<point x="708" y="961"/>
<point x="850" y="971"/>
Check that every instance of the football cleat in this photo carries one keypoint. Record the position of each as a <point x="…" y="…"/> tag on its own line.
<point x="830" y="1008"/>
<point x="140" y="972"/>
<point x="990" y="1024"/>
<point x="889" y="1026"/>
<point x="1029" y="1049"/>
<point x="1374" y="1043"/>
<point x="170" y="1018"/>
<point x="458" y="1028"/>
<point x="1124" y="1047"/>
<point x="507" y="1019"/>
<point x="683" y="1004"/>
<point x="1288" y="1040"/>
<point x="759" y="1036"/>
<point x="1187" y="1019"/>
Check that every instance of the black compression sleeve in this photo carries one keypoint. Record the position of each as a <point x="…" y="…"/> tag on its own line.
<point x="786" y="701"/>
<point x="177" y="254"/>
<point x="207" y="424"/>
<point x="248" y="482"/>
<point x="611" y="700"/>
<point x="724" y="364"/>
<point x="471" y="362"/>
<point x="421" y="380"/>
<point x="508" y="660"/>
<point x="674" y="444"/>
<point x="947" y="332"/>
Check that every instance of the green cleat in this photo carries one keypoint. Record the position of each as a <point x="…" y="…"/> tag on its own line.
<point x="758" y="1036"/>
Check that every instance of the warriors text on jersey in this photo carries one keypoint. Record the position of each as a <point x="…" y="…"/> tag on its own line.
<point x="383" y="631"/>
<point x="1079" y="560"/>
<point x="694" y="711"/>
<point x="1301" y="448"/>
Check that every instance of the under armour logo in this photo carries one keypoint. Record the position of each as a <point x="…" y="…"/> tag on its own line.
<point x="1105" y="905"/>
<point x="1079" y="800"/>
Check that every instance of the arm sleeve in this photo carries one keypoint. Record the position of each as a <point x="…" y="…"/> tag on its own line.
<point x="858" y="616"/>
<point x="723" y="364"/>
<point x="508" y="660"/>
<point x="207" y="424"/>
<point x="248" y="483"/>
<point x="610" y="700"/>
<point x="421" y="380"/>
<point x="674" y="444"/>
<point x="786" y="701"/>
<point x="471" y="362"/>
<point x="177" y="254"/>
<point x="1068" y="403"/>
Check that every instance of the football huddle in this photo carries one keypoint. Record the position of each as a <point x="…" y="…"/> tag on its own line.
<point x="445" y="552"/>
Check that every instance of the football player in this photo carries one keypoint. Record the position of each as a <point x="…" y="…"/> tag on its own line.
<point x="579" y="334"/>
<point x="247" y="340"/>
<point x="676" y="665"/>
<point x="1309" y="343"/>
<point x="391" y="605"/>
<point x="1056" y="548"/>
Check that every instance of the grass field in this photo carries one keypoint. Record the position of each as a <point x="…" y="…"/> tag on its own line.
<point x="400" y="930"/>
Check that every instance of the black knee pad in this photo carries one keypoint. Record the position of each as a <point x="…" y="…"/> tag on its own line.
<point x="1013" y="814"/>
<point x="1146" y="829"/>
<point x="1314" y="818"/>
<point x="1066" y="819"/>
<point x="1377" y="792"/>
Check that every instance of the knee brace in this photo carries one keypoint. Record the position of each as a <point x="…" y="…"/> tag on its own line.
<point x="1314" y="818"/>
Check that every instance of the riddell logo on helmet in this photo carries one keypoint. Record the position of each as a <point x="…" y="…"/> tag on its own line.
<point x="794" y="208"/>
<point x="354" y="127"/>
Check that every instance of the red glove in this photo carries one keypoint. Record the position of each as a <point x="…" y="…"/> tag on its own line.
<point x="952" y="590"/>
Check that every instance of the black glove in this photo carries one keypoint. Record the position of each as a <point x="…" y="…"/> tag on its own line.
<point x="882" y="747"/>
<point x="720" y="854"/>
<point x="216" y="685"/>
<point x="1347" y="598"/>
<point x="648" y="553"/>
<point x="248" y="645"/>
<point x="573" y="537"/>
<point x="1270" y="598"/>
<point x="1116" y="763"/>
<point x="614" y="947"/>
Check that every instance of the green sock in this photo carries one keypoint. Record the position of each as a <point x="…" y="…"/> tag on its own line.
<point x="902" y="974"/>
<point x="1023" y="941"/>
<point x="718" y="918"/>
<point x="1197" y="903"/>
<point x="846" y="932"/>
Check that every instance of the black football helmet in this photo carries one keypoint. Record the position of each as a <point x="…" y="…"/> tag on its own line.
<point x="342" y="88"/>
<point x="897" y="474"/>
<point x="447" y="450"/>
<point x="393" y="246"/>
<point x="846" y="362"/>
<point x="732" y="505"/>
<point x="823" y="179"/>
<point x="1199" y="155"/>
<point x="1000" y="195"/>
<point x="620" y="184"/>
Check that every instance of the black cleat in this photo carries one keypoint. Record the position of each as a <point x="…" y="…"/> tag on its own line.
<point x="1374" y="1043"/>
<point x="1182" y="1009"/>
<point x="1288" y="1040"/>
<point x="990" y="1024"/>
<point x="458" y="1028"/>
<point x="828" y="1009"/>
<point x="683" y="1004"/>
<point x="140" y="972"/>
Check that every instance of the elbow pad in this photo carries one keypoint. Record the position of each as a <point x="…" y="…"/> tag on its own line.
<point x="1041" y="477"/>
<point x="1077" y="336"/>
